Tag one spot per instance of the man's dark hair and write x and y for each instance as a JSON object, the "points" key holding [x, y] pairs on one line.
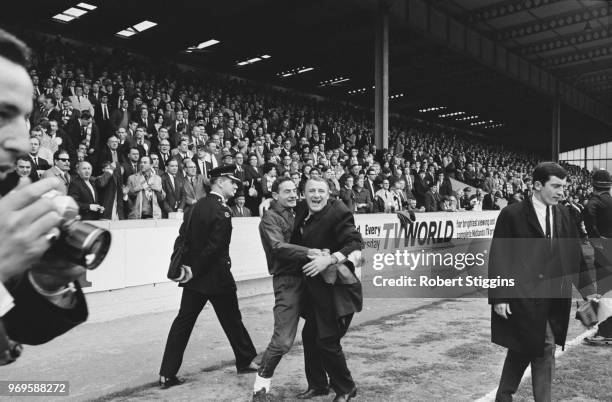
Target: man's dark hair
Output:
{"points": [[24, 159], [14, 49], [277, 183], [59, 152], [545, 170], [85, 115], [52, 99]]}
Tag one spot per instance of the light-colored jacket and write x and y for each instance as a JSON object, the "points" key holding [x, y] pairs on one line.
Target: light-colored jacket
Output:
{"points": [[137, 194]]}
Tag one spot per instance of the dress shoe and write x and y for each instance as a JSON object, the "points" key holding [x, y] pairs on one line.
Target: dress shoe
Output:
{"points": [[312, 392], [251, 368], [261, 396], [167, 382], [345, 397]]}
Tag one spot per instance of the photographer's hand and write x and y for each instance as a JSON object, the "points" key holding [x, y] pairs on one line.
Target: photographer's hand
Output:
{"points": [[27, 219]]}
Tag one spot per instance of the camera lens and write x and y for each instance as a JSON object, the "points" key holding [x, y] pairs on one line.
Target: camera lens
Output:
{"points": [[81, 243], [87, 244], [94, 254]]}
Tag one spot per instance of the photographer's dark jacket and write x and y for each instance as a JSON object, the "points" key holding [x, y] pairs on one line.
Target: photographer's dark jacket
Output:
{"points": [[209, 237], [35, 320], [543, 275]]}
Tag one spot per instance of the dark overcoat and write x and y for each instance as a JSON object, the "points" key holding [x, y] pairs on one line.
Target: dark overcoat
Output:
{"points": [[543, 277], [331, 228]]}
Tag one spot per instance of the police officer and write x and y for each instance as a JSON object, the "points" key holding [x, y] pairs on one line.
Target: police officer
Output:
{"points": [[598, 222], [208, 237]]}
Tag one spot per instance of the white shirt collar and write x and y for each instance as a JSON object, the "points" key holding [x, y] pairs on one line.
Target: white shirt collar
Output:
{"points": [[538, 205], [540, 210]]}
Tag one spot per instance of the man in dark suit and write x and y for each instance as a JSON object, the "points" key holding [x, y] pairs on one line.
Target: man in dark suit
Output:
{"points": [[102, 117], [130, 167], [121, 117], [39, 165], [208, 278], [50, 110], [112, 196], [85, 130], [203, 167], [146, 121], [432, 199], [536, 244], [164, 153], [119, 98], [323, 223], [85, 194], [239, 210], [109, 153], [372, 183], [172, 183]]}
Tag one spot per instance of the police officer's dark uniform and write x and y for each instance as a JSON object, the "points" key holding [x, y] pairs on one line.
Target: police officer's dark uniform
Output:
{"points": [[209, 236], [598, 223]]}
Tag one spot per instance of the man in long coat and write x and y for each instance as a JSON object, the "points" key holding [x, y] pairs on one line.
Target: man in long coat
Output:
{"points": [[535, 243]]}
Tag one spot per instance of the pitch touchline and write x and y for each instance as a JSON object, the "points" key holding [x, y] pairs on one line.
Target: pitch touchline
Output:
{"points": [[491, 395]]}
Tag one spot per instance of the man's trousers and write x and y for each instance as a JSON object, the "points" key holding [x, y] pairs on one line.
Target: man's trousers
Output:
{"points": [[542, 371], [324, 355], [228, 313], [288, 291]]}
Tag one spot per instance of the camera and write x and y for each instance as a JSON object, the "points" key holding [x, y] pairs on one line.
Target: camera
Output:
{"points": [[79, 242]]}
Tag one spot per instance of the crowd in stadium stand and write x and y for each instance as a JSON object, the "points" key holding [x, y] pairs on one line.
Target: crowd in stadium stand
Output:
{"points": [[134, 139]]}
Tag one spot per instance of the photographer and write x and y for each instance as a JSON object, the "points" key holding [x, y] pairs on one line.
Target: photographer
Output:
{"points": [[38, 300]]}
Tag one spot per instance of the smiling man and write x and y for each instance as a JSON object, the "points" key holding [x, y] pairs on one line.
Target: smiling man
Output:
{"points": [[282, 257], [326, 224], [536, 243]]}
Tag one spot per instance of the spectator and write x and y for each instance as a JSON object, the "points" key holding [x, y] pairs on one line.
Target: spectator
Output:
{"points": [[145, 192], [385, 199], [61, 168], [85, 194], [432, 199], [363, 200], [193, 186]]}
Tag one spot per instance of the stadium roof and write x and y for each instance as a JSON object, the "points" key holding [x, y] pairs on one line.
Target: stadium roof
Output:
{"points": [[498, 59]]}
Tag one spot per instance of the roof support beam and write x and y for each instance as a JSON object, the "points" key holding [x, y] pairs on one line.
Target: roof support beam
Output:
{"points": [[598, 10], [570, 40], [577, 56], [381, 77], [505, 8], [446, 30]]}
